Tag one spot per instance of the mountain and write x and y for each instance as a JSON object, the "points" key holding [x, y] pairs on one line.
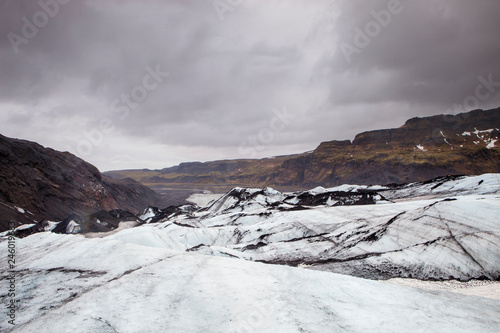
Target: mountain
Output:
{"points": [[38, 183], [421, 149], [214, 268]]}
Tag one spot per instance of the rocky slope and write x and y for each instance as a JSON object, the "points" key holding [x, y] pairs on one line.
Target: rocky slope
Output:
{"points": [[421, 149], [38, 183]]}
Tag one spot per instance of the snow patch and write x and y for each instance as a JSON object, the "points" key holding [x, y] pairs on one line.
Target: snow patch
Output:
{"points": [[444, 138], [51, 225], [317, 190], [148, 214], [73, 227], [330, 202]]}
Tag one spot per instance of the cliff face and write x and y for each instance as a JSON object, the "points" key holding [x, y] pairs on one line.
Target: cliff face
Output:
{"points": [[39, 183], [421, 149]]}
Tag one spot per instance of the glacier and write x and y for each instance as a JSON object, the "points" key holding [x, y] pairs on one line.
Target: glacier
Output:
{"points": [[259, 260]]}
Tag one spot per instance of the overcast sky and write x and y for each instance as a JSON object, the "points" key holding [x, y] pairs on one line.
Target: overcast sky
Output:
{"points": [[150, 84]]}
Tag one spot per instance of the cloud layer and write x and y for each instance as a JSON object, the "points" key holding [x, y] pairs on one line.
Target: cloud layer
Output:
{"points": [[245, 78]]}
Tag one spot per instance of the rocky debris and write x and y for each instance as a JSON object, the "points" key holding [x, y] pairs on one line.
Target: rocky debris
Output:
{"points": [[100, 222], [334, 198], [104, 220], [154, 214]]}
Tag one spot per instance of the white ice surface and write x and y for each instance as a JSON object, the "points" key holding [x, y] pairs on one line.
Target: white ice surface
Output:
{"points": [[71, 284]]}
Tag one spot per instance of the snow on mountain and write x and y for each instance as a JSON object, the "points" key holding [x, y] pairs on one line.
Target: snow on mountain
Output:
{"points": [[68, 283]]}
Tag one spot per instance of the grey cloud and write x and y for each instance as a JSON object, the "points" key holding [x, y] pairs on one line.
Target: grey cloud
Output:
{"points": [[433, 51], [226, 77]]}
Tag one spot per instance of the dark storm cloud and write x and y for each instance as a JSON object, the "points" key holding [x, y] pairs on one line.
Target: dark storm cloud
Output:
{"points": [[431, 52], [227, 78]]}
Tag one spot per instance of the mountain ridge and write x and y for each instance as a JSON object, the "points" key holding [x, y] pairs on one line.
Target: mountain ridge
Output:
{"points": [[423, 148]]}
